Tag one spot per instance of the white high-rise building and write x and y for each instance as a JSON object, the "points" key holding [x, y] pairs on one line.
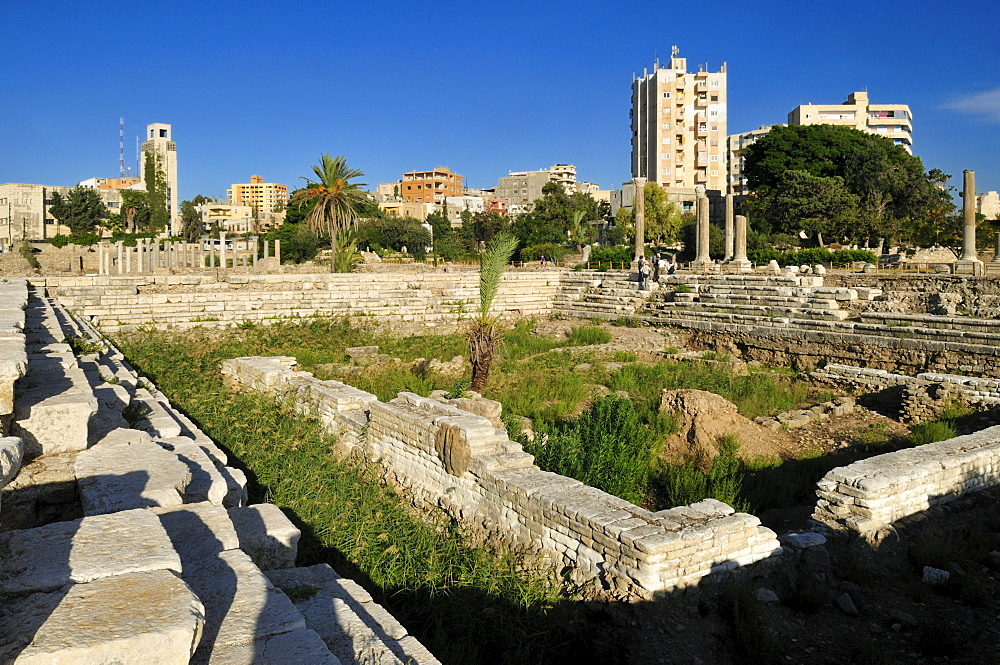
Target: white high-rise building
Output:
{"points": [[159, 140], [679, 126]]}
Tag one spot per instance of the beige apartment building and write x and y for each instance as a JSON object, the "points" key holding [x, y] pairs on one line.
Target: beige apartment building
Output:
{"points": [[893, 121], [736, 145], [988, 204], [522, 188], [24, 209], [230, 217], [159, 141], [679, 127], [430, 186], [268, 200]]}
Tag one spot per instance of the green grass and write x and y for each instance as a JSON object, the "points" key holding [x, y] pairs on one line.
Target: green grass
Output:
{"points": [[931, 432], [464, 603], [588, 335]]}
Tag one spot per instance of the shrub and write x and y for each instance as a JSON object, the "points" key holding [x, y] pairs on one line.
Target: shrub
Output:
{"points": [[607, 447], [683, 288], [931, 432], [812, 256], [688, 482], [588, 335], [28, 253], [551, 252]]}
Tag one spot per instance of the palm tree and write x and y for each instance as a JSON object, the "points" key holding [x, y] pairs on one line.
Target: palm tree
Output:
{"points": [[337, 199], [485, 336]]}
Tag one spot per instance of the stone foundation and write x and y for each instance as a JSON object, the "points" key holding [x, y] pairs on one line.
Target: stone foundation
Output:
{"points": [[460, 462]]}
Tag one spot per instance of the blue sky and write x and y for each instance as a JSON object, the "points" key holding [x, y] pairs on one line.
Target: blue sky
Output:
{"points": [[265, 88]]}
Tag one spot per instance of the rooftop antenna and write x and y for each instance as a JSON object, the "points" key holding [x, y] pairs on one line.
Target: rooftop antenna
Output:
{"points": [[121, 147], [137, 169]]}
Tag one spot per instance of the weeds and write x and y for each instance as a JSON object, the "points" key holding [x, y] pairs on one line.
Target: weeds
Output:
{"points": [[81, 346], [588, 336], [687, 482], [930, 432]]}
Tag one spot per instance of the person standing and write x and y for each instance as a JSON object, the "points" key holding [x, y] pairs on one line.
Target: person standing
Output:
{"points": [[643, 268], [541, 262]]}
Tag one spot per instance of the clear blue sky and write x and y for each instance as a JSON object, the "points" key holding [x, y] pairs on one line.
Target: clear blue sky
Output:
{"points": [[483, 88]]}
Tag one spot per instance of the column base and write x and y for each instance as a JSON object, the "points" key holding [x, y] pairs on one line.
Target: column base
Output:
{"points": [[973, 266], [701, 264], [741, 265]]}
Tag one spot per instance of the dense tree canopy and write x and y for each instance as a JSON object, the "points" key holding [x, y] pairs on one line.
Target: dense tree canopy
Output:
{"points": [[662, 221], [81, 209], [156, 191], [889, 186]]}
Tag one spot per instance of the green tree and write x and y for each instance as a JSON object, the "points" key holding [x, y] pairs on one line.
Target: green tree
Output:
{"points": [[662, 218], [335, 198], [81, 209], [136, 214], [817, 205], [486, 336], [191, 227], [395, 233], [156, 191], [890, 185]]}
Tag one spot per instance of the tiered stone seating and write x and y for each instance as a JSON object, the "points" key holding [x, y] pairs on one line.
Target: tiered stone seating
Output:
{"points": [[602, 295], [129, 541]]}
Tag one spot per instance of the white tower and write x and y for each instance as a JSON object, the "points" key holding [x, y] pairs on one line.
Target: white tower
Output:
{"points": [[158, 140]]}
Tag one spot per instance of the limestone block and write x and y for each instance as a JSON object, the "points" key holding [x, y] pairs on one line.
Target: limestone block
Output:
{"points": [[83, 550], [49, 480], [267, 535], [241, 604], [123, 436], [11, 453], [207, 483], [236, 485], [111, 478], [198, 530], [148, 618], [52, 423], [298, 647]]}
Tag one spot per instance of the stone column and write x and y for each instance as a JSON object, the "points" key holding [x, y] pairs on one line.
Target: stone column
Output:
{"points": [[128, 260], [121, 255], [156, 255], [277, 252], [639, 212], [969, 261], [996, 249], [199, 256], [211, 254], [253, 246], [730, 231], [223, 260], [265, 248], [100, 258], [740, 244], [702, 257]]}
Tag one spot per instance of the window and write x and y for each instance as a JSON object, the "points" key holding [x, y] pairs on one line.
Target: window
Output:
{"points": [[665, 155], [666, 171], [715, 173], [666, 141], [713, 142], [666, 95], [808, 115], [714, 83], [715, 98], [713, 158], [713, 112], [666, 125]]}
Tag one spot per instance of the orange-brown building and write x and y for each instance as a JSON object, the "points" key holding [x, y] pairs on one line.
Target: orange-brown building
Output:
{"points": [[430, 186]]}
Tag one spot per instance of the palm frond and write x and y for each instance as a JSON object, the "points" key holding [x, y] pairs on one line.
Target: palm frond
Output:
{"points": [[491, 265]]}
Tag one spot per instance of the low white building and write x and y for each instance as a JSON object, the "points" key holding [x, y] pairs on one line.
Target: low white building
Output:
{"points": [[458, 204]]}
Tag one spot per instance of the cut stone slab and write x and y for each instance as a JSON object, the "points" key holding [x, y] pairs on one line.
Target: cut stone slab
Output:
{"points": [[11, 453], [83, 550], [158, 421], [207, 484], [354, 627], [236, 482], [50, 423], [298, 647], [123, 436], [136, 619], [198, 530], [267, 535], [241, 604], [43, 489], [111, 478]]}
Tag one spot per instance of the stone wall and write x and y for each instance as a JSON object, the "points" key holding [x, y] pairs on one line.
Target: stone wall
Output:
{"points": [[460, 462], [436, 298], [870, 495], [124, 533], [923, 395], [928, 294]]}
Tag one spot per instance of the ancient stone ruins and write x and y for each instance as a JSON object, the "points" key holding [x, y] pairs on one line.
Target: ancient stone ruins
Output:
{"points": [[124, 531]]}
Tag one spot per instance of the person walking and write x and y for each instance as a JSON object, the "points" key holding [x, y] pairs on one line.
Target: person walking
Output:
{"points": [[643, 269], [541, 262]]}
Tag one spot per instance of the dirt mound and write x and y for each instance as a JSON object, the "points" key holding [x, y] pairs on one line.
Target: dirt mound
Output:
{"points": [[705, 416]]}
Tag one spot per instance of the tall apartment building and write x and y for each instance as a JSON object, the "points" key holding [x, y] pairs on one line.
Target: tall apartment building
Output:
{"points": [[264, 198], [736, 145], [988, 204], [522, 188], [893, 121], [24, 209], [679, 127], [430, 186], [159, 141]]}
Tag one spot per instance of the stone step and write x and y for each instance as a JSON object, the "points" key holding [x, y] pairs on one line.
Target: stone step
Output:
{"points": [[48, 557], [354, 627], [145, 618]]}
